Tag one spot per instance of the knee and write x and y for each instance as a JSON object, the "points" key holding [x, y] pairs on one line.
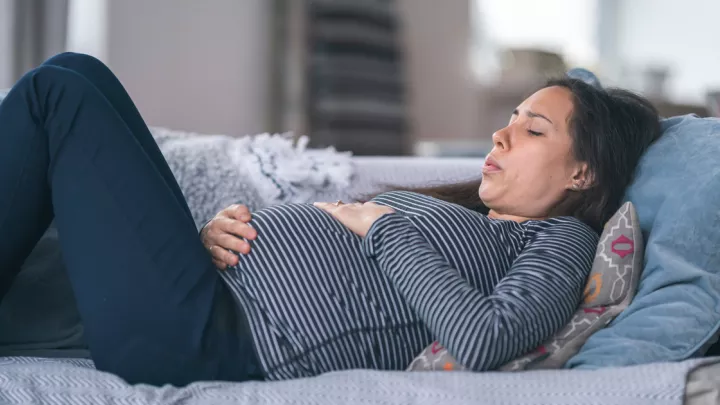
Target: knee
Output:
{"points": [[73, 60], [51, 74], [50, 83]]}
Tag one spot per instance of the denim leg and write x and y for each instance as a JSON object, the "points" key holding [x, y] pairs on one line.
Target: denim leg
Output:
{"points": [[146, 288], [110, 87]]}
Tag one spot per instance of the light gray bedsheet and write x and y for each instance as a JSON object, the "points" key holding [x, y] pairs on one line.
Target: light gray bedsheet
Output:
{"points": [[703, 385], [45, 381]]}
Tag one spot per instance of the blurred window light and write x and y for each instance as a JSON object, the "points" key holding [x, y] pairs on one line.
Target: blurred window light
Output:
{"points": [[681, 38], [87, 27], [6, 44], [567, 27]]}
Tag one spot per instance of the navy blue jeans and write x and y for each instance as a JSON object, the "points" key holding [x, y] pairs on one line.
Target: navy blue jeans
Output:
{"points": [[74, 148]]}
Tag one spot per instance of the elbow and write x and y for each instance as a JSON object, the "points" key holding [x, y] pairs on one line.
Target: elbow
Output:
{"points": [[496, 354], [496, 346], [499, 342]]}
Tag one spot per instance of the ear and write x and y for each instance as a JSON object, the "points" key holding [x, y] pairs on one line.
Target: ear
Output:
{"points": [[582, 178]]}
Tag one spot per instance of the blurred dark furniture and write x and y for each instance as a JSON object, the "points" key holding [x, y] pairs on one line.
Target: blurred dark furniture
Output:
{"points": [[340, 75]]}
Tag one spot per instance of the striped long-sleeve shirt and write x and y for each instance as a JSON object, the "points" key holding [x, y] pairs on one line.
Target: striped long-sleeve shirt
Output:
{"points": [[318, 298]]}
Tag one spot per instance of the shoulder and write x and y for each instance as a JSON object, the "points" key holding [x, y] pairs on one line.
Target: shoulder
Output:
{"points": [[563, 233], [559, 226], [560, 246]]}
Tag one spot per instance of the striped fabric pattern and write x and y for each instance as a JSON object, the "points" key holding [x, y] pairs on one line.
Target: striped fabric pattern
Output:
{"points": [[319, 298]]}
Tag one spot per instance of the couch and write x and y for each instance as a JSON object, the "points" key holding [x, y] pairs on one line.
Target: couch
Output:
{"points": [[671, 373], [40, 380]]}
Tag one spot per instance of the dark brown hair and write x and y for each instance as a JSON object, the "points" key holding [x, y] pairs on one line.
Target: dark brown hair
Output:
{"points": [[611, 129]]}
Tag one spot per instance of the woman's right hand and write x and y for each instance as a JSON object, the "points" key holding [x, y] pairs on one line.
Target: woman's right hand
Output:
{"points": [[225, 232]]}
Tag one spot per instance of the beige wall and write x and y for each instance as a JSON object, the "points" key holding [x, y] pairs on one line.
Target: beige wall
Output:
{"points": [[192, 65], [7, 76], [443, 95], [204, 66]]}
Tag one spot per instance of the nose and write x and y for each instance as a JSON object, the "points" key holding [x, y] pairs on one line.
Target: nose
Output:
{"points": [[501, 139]]}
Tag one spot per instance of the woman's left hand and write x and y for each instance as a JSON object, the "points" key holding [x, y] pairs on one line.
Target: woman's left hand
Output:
{"points": [[357, 217]]}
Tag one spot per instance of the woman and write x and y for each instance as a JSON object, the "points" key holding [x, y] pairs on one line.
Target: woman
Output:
{"points": [[325, 287]]}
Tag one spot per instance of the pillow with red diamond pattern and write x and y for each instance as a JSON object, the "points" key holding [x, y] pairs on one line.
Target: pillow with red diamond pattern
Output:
{"points": [[609, 290]]}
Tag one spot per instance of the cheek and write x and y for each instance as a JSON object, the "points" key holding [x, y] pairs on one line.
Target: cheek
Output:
{"points": [[536, 178], [544, 166]]}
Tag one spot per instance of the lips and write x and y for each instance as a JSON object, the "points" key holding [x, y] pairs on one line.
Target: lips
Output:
{"points": [[491, 165]]}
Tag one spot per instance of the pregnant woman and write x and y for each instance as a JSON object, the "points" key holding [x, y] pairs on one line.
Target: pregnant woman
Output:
{"points": [[489, 269]]}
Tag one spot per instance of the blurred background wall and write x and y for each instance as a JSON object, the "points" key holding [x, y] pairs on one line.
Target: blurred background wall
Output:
{"points": [[373, 76], [192, 65]]}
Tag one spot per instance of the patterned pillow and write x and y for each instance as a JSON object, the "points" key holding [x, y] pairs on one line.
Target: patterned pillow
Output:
{"points": [[610, 288]]}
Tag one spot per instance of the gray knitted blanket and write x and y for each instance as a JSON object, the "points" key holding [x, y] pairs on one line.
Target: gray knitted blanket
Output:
{"points": [[215, 171]]}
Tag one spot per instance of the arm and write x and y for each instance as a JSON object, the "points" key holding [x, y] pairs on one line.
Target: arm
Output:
{"points": [[534, 300]]}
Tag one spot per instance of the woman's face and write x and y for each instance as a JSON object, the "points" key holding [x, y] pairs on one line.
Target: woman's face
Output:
{"points": [[531, 167]]}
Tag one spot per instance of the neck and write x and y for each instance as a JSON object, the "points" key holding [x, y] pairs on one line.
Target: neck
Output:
{"points": [[508, 217]]}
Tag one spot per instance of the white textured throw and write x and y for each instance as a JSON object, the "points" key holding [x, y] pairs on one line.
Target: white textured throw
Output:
{"points": [[215, 171]]}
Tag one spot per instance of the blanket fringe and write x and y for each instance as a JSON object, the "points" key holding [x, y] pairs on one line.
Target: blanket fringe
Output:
{"points": [[281, 167]]}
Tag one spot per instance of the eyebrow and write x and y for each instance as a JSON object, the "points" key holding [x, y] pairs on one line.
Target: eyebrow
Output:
{"points": [[534, 115]]}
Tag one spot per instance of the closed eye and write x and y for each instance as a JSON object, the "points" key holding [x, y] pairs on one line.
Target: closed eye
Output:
{"points": [[534, 133]]}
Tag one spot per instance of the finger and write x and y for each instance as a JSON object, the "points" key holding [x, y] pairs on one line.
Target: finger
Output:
{"points": [[235, 227], [219, 240], [221, 255], [232, 242], [241, 213], [230, 208], [204, 234], [327, 207], [348, 207], [226, 212], [242, 230], [220, 264], [342, 213], [223, 224], [322, 205], [231, 259], [236, 211]]}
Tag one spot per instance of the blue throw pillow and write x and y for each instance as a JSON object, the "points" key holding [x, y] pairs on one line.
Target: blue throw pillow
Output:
{"points": [[676, 312]]}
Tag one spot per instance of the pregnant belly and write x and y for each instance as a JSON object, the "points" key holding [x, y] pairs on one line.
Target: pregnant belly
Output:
{"points": [[306, 273], [312, 295]]}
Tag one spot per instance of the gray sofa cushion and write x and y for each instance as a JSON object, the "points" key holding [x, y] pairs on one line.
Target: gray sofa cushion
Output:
{"points": [[38, 316]]}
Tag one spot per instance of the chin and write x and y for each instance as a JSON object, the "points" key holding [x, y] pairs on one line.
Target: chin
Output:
{"points": [[485, 193]]}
